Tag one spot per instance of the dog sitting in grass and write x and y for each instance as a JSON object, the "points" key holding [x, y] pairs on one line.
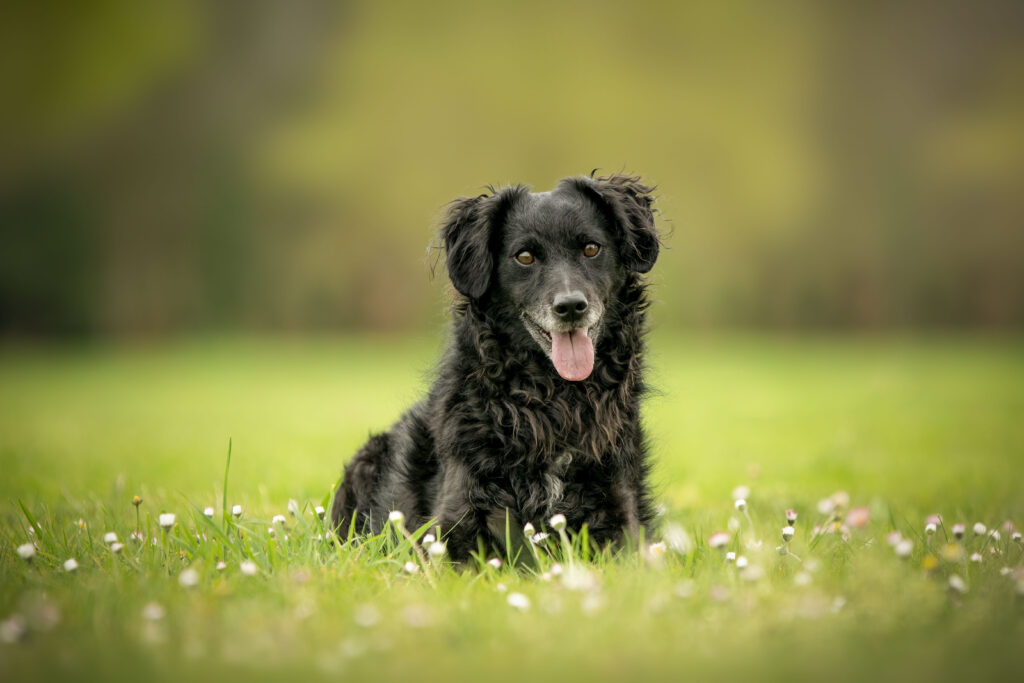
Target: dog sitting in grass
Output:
{"points": [[535, 409]]}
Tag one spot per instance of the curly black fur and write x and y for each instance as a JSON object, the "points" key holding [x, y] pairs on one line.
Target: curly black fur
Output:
{"points": [[500, 432]]}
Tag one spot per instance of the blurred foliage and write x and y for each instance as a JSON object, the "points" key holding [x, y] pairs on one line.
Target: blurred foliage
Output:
{"points": [[170, 166]]}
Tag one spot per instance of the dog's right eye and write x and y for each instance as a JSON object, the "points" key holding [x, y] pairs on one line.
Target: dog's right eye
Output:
{"points": [[524, 257]]}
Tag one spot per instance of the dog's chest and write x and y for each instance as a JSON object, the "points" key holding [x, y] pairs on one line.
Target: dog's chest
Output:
{"points": [[542, 490], [554, 479]]}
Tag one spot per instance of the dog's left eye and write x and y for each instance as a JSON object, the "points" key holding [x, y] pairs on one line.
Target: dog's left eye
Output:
{"points": [[591, 250], [524, 257]]}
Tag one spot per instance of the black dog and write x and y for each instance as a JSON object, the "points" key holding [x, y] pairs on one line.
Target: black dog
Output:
{"points": [[536, 406]]}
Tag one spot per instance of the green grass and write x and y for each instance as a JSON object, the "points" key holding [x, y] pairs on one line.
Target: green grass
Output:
{"points": [[908, 427]]}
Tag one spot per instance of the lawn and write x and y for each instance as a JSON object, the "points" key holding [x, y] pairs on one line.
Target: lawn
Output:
{"points": [[891, 429]]}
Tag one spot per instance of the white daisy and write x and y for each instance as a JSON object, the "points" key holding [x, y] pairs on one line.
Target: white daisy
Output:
{"points": [[518, 601], [188, 578]]}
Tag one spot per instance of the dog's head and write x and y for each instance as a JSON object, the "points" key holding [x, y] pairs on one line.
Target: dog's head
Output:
{"points": [[545, 265]]}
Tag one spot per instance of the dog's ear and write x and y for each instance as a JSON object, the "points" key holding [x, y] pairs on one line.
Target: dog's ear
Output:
{"points": [[471, 234], [627, 203]]}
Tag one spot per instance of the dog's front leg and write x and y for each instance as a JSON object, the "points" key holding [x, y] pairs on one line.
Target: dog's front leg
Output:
{"points": [[455, 514]]}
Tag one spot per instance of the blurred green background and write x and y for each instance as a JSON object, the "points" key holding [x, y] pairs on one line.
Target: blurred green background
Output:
{"points": [[174, 167], [231, 204]]}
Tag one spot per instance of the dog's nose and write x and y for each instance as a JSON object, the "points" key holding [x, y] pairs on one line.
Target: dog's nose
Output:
{"points": [[570, 307]]}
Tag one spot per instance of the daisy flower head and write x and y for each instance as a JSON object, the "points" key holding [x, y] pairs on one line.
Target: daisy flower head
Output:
{"points": [[248, 568], [166, 520], [718, 539], [26, 551], [208, 512], [979, 529], [787, 533], [188, 578], [677, 539], [791, 516], [518, 601], [110, 537], [396, 517], [320, 512], [236, 511], [741, 492], [366, 615], [557, 522], [13, 628], [858, 517], [70, 565], [958, 531], [153, 611]]}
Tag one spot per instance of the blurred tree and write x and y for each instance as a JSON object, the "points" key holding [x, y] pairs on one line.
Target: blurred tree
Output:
{"points": [[282, 165]]}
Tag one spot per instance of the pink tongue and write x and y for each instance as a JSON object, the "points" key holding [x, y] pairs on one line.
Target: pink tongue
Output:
{"points": [[573, 354]]}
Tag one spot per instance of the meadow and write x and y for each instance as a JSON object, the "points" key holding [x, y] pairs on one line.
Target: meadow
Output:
{"points": [[863, 438]]}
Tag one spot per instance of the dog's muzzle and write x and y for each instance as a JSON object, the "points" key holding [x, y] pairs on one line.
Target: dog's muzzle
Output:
{"points": [[566, 333]]}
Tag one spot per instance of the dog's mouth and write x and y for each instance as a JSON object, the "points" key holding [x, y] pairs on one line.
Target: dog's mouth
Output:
{"points": [[571, 351]]}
